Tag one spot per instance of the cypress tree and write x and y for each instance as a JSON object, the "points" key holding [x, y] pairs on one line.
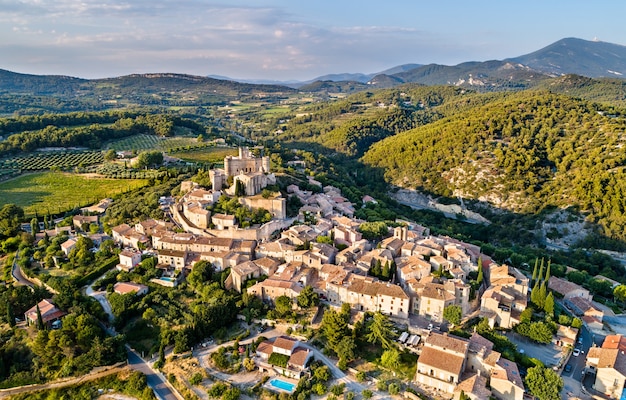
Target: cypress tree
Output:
{"points": [[540, 277], [534, 278], [10, 316], [541, 297], [480, 277], [547, 278], [534, 294], [549, 306], [40, 324]]}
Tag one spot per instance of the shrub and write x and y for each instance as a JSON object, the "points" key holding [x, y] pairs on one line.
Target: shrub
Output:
{"points": [[367, 394], [196, 378]]}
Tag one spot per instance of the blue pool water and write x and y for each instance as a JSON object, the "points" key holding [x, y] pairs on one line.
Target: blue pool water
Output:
{"points": [[168, 279], [277, 383]]}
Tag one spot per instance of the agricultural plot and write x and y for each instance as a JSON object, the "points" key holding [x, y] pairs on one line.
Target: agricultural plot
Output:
{"points": [[213, 155], [151, 142], [117, 170], [57, 160], [54, 192]]}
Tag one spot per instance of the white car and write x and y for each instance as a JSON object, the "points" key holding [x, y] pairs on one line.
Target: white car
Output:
{"points": [[576, 352], [430, 327]]}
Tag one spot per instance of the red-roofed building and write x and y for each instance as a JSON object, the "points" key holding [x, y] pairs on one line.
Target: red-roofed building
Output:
{"points": [[49, 313]]}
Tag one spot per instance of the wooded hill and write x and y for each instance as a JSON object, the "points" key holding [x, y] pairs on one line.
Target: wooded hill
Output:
{"points": [[520, 151]]}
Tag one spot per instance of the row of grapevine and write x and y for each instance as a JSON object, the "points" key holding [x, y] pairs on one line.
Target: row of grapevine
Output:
{"points": [[151, 142], [44, 161]]}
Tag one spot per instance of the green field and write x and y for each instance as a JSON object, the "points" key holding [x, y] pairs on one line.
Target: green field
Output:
{"points": [[208, 155], [55, 192]]}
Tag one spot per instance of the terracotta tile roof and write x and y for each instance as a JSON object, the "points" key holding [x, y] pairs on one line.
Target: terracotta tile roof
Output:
{"points": [[265, 347], [286, 343], [436, 291], [47, 309], [376, 288], [128, 287], [562, 286], [474, 384], [613, 358], [299, 357], [614, 342], [442, 360], [508, 371], [478, 342], [447, 342]]}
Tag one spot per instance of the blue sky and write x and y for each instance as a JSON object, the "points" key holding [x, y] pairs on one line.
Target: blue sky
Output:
{"points": [[285, 39]]}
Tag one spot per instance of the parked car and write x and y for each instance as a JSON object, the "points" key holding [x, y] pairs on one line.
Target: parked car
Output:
{"points": [[430, 327], [568, 368], [580, 340], [576, 352]]}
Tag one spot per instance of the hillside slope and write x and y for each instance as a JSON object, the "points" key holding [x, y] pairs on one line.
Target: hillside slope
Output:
{"points": [[522, 152]]}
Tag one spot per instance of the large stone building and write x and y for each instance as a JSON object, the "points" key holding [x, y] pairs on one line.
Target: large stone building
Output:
{"points": [[245, 163]]}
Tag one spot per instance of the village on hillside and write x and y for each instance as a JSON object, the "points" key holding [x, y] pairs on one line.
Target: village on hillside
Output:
{"points": [[425, 284]]}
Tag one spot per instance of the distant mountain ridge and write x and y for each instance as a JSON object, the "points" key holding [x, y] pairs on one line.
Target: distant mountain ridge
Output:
{"points": [[567, 56]]}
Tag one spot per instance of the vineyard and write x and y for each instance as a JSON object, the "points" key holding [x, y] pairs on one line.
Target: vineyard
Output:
{"points": [[119, 171], [46, 161], [54, 192], [152, 142]]}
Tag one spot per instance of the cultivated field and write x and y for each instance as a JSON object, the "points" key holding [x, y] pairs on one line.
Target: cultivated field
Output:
{"points": [[209, 155], [55, 192]]}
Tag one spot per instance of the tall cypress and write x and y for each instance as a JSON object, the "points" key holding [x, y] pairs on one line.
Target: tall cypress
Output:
{"points": [[10, 316], [547, 278], [540, 277], [534, 278], [40, 324]]}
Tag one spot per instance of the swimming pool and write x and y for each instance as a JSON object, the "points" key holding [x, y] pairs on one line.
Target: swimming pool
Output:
{"points": [[282, 385]]}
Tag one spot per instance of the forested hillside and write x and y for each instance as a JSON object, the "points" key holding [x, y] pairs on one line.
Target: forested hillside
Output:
{"points": [[523, 152]]}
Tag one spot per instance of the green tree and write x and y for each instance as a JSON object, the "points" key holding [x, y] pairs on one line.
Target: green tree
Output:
{"points": [[534, 276], [149, 159], [110, 155], [549, 304], [541, 296], [544, 383], [202, 272], [480, 277], [283, 305], [540, 277], [10, 218], [380, 330], [620, 293], [547, 278], [308, 297], [335, 328], [463, 396], [34, 226], [390, 359], [10, 316], [345, 349], [453, 314], [526, 315], [40, 325]]}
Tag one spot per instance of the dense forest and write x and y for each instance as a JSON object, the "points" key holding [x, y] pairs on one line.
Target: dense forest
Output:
{"points": [[524, 152]]}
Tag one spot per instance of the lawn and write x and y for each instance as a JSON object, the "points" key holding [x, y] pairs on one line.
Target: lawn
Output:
{"points": [[55, 192]]}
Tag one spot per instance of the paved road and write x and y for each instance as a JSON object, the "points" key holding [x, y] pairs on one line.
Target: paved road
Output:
{"points": [[102, 299], [17, 274], [571, 380], [155, 380]]}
